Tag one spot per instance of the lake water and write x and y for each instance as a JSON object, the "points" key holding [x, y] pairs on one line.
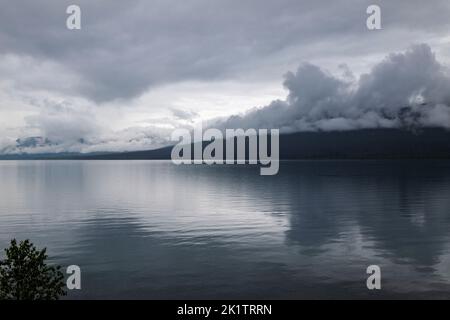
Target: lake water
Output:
{"points": [[150, 229]]}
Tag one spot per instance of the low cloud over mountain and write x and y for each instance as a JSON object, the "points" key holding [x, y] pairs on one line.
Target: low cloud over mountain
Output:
{"points": [[405, 90]]}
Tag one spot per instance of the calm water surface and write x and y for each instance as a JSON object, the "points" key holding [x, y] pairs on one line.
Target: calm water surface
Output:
{"points": [[150, 229]]}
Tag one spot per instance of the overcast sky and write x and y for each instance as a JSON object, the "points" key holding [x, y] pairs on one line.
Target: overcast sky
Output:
{"points": [[138, 69]]}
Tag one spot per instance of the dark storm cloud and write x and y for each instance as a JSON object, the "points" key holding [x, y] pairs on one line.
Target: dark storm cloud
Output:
{"points": [[410, 89], [126, 47]]}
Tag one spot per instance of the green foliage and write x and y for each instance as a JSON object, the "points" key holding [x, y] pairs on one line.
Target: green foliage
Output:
{"points": [[24, 274]]}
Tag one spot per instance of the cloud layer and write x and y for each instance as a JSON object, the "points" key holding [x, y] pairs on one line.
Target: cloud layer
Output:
{"points": [[409, 90], [127, 47]]}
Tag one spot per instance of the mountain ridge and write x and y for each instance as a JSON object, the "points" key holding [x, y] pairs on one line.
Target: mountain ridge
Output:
{"points": [[352, 144]]}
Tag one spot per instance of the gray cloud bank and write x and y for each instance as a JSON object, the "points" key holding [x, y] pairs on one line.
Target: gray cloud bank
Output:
{"points": [[408, 90], [126, 47]]}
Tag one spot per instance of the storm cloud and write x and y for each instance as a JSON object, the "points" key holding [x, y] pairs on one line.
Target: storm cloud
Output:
{"points": [[126, 47], [408, 90]]}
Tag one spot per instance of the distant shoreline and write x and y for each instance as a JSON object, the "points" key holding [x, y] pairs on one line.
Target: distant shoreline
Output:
{"points": [[365, 144]]}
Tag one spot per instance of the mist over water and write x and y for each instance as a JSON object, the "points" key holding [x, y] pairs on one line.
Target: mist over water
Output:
{"points": [[150, 229]]}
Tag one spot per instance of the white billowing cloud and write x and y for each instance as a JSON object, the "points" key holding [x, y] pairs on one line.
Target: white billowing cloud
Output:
{"points": [[63, 123], [410, 89], [72, 125], [67, 127], [131, 139]]}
